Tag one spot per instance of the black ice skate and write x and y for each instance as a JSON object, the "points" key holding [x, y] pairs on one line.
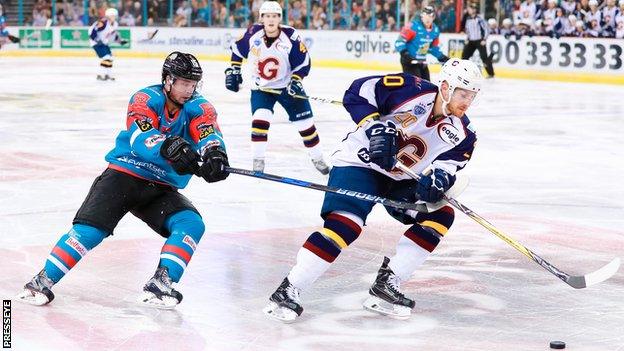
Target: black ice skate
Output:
{"points": [[385, 295], [284, 304], [37, 291], [159, 293]]}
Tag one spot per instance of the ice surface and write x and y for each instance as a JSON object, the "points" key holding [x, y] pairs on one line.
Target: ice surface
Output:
{"points": [[547, 171]]}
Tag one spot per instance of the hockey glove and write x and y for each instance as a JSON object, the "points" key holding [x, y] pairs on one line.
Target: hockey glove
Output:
{"points": [[443, 59], [213, 169], [431, 188], [383, 144], [295, 87], [233, 78], [180, 155], [14, 39]]}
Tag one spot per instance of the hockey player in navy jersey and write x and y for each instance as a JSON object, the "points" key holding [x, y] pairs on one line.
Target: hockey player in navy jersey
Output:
{"points": [[101, 34], [400, 118], [279, 61], [171, 134], [418, 39]]}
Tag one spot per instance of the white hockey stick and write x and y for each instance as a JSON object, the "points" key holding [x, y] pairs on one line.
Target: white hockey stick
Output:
{"points": [[312, 98], [577, 282]]}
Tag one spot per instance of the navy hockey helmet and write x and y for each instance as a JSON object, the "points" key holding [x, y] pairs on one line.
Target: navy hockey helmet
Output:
{"points": [[182, 65]]}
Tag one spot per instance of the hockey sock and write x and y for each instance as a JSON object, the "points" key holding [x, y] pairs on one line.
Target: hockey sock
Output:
{"points": [[70, 248], [310, 137], [186, 228], [106, 66], [420, 240], [260, 131], [322, 248]]}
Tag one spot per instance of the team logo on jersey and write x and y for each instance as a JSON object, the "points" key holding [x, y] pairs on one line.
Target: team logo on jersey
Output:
{"points": [[143, 124], [419, 109], [140, 98], [363, 155], [268, 68], [205, 130], [256, 42], [154, 140], [448, 133]]}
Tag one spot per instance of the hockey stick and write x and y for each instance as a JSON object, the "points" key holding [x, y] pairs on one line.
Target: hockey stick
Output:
{"points": [[306, 97], [327, 189], [577, 282]]}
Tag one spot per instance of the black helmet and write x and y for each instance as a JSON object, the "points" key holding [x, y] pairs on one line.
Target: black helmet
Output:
{"points": [[182, 65]]}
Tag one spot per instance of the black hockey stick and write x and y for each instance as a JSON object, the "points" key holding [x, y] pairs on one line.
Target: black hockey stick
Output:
{"points": [[577, 282], [328, 189]]}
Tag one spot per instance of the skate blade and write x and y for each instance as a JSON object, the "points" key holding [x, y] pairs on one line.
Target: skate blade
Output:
{"points": [[377, 305], [33, 298], [148, 299], [282, 314]]}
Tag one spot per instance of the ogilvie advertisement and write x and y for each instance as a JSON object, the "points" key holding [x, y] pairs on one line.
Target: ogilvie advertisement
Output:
{"points": [[344, 47]]}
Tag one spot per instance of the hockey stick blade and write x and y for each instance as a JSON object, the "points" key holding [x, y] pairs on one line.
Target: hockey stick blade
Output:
{"points": [[577, 282], [593, 278], [328, 189]]}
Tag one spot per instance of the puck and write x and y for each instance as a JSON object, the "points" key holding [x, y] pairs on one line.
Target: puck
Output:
{"points": [[557, 345]]}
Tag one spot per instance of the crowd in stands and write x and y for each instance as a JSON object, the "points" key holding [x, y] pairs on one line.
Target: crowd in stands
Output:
{"points": [[555, 18], [563, 18]]}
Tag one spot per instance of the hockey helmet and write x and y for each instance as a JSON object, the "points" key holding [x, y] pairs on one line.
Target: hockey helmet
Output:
{"points": [[462, 74], [428, 10], [270, 7], [111, 12], [182, 65]]}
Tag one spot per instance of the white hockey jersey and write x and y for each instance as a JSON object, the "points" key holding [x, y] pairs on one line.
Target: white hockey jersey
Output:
{"points": [[407, 101], [103, 31], [274, 64]]}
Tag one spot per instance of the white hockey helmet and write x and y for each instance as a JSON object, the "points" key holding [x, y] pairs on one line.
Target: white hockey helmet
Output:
{"points": [[593, 3], [457, 73], [270, 7], [111, 12], [464, 74], [492, 22], [507, 22]]}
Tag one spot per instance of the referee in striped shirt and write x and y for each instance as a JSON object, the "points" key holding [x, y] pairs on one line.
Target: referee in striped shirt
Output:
{"points": [[477, 31]]}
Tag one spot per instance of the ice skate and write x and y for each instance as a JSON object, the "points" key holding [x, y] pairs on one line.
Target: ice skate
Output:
{"points": [[258, 165], [37, 292], [101, 77], [321, 166], [109, 77], [386, 297], [284, 304], [159, 293]]}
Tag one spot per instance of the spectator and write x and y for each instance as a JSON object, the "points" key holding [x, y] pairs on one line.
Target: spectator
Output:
{"points": [[594, 30], [183, 15], [569, 6], [611, 11], [127, 19], [507, 28], [619, 31], [493, 26], [579, 30]]}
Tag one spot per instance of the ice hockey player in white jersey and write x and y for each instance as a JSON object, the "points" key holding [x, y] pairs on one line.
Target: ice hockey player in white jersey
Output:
{"points": [[279, 61], [101, 34], [400, 118]]}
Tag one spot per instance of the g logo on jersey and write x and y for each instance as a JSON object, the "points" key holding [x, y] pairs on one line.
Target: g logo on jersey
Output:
{"points": [[267, 68], [448, 133]]}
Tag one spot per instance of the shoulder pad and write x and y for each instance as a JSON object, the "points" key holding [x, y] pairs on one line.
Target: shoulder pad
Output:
{"points": [[254, 28], [290, 32], [467, 125]]}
